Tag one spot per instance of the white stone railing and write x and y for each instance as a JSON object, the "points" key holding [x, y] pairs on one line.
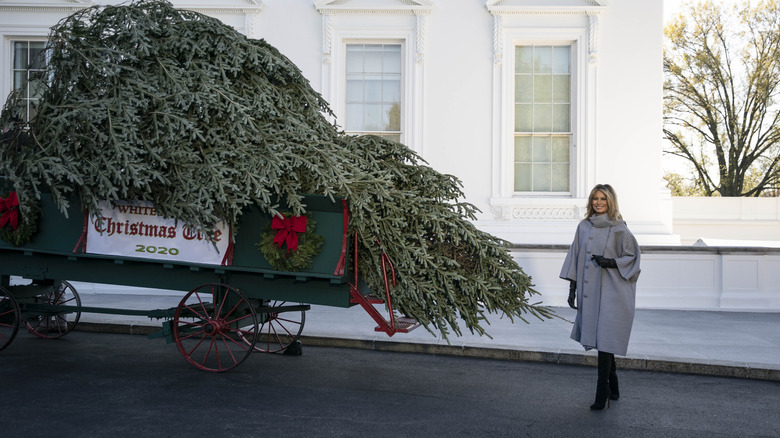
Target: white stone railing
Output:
{"points": [[719, 219], [684, 277]]}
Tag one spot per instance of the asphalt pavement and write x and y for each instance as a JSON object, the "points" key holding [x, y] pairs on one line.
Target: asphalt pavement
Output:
{"points": [[716, 343], [95, 385]]}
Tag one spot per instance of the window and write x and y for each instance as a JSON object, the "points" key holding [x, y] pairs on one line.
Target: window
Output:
{"points": [[28, 67], [545, 118], [542, 122], [373, 90], [373, 65]]}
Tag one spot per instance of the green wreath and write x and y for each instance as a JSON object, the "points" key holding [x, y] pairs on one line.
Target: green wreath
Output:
{"points": [[26, 227], [283, 258]]}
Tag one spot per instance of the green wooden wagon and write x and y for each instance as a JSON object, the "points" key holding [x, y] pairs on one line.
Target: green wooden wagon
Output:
{"points": [[226, 311]]}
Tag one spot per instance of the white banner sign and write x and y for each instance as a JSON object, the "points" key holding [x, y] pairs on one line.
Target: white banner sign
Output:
{"points": [[135, 230]]}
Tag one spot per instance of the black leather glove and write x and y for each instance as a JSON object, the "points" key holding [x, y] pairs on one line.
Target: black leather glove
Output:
{"points": [[605, 262], [572, 294]]}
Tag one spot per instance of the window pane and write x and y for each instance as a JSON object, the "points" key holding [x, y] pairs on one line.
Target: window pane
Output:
{"points": [[523, 148], [524, 60], [373, 58], [561, 87], [524, 91], [523, 117], [560, 148], [32, 109], [394, 117], [522, 177], [37, 58], [392, 61], [391, 91], [542, 88], [354, 61], [20, 56], [560, 60], [542, 149], [354, 117], [373, 118], [560, 118], [542, 59], [560, 177], [20, 78], [354, 91], [373, 88], [36, 84], [542, 118], [541, 177]]}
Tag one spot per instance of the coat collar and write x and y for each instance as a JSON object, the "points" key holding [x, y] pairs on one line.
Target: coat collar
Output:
{"points": [[602, 221]]}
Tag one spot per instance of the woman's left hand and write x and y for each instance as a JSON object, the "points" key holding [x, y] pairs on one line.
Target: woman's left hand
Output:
{"points": [[604, 262]]}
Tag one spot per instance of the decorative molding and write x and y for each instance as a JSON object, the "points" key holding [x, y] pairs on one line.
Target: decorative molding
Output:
{"points": [[250, 23], [327, 38], [517, 213], [498, 39], [593, 22], [499, 10], [420, 31]]}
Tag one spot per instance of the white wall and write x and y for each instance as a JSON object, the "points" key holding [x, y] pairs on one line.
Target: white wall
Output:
{"points": [[454, 104]]}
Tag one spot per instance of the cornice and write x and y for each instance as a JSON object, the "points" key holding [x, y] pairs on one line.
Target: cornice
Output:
{"points": [[498, 7], [420, 7], [250, 7], [547, 10], [45, 6]]}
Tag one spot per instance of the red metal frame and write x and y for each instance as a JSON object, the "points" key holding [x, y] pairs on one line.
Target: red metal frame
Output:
{"points": [[395, 325]]}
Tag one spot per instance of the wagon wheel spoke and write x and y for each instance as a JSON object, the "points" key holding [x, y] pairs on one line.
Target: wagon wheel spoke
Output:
{"points": [[58, 324], [279, 330], [214, 327], [9, 317]]}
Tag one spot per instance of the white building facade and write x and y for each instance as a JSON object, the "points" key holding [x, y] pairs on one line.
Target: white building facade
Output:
{"points": [[530, 103]]}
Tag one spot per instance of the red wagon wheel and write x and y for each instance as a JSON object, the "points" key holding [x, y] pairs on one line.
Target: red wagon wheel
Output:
{"points": [[279, 330], [9, 317], [59, 325], [215, 327]]}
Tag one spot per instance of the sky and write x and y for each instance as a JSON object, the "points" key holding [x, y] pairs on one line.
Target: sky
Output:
{"points": [[671, 7]]}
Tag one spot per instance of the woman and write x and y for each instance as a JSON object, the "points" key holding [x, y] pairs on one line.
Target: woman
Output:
{"points": [[603, 264]]}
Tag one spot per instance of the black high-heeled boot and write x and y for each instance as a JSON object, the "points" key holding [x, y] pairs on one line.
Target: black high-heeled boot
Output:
{"points": [[602, 385], [614, 389]]}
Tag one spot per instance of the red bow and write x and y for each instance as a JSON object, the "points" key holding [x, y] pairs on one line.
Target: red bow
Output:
{"points": [[9, 211], [288, 230]]}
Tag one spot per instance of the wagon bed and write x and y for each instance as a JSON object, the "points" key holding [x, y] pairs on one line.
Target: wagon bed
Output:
{"points": [[227, 310]]}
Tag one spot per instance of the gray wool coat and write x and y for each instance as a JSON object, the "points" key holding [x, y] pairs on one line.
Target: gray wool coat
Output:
{"points": [[605, 296]]}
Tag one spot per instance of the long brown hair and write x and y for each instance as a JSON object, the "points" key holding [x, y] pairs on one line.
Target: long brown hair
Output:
{"points": [[612, 204]]}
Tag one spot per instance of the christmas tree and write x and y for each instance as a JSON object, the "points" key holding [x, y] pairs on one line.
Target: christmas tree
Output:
{"points": [[147, 102]]}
